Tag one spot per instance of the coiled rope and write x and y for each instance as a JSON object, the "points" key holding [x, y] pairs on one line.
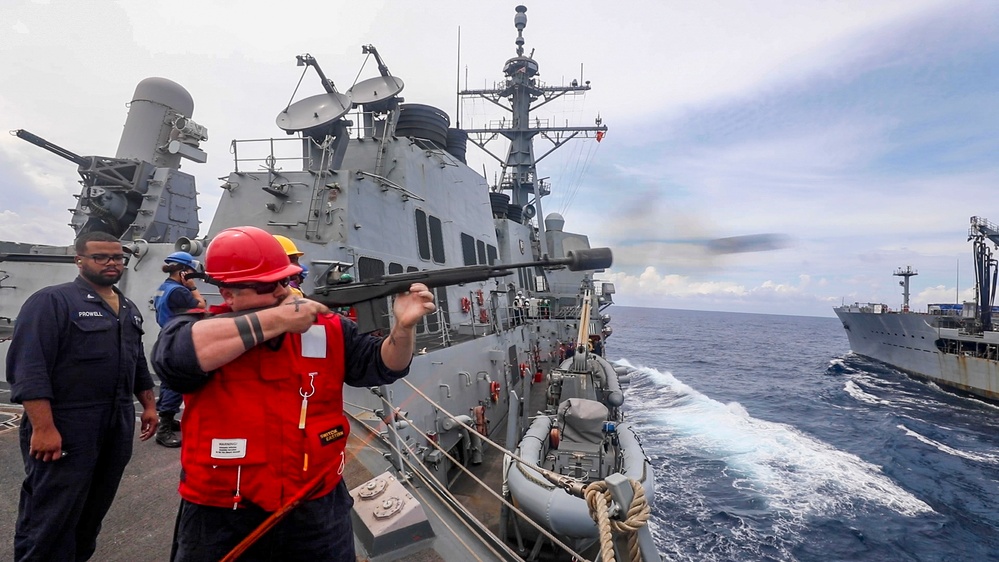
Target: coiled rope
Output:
{"points": [[598, 498]]}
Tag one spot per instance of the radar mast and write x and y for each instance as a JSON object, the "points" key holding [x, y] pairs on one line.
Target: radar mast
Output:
{"points": [[520, 94], [905, 274]]}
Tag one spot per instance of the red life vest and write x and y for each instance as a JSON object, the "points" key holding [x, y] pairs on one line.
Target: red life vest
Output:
{"points": [[242, 440]]}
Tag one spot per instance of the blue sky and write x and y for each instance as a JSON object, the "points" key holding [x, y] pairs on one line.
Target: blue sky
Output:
{"points": [[865, 132]]}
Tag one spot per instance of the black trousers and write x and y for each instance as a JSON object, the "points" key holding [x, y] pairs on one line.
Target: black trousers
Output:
{"points": [[63, 502], [317, 530]]}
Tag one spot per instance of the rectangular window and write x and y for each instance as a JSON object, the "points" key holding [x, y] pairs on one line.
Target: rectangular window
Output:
{"points": [[422, 236], [369, 268], [437, 239], [492, 254], [467, 249], [540, 281], [480, 246]]}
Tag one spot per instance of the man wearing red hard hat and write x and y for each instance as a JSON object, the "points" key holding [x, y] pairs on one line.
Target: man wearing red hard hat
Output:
{"points": [[262, 380]]}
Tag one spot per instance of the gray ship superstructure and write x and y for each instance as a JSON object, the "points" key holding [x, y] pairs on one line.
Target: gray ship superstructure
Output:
{"points": [[953, 345], [368, 187]]}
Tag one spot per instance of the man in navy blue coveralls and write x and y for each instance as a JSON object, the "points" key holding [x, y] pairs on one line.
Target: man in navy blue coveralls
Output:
{"points": [[75, 362]]}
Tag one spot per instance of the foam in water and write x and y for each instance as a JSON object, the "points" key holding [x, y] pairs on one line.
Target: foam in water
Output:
{"points": [[992, 459], [794, 472], [854, 390]]}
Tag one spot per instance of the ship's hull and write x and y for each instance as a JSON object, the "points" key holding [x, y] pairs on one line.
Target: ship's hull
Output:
{"points": [[909, 343]]}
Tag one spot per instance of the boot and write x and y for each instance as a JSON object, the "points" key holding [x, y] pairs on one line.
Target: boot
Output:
{"points": [[165, 433]]}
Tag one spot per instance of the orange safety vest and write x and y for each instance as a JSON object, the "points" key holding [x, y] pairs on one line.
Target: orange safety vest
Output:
{"points": [[242, 438]]}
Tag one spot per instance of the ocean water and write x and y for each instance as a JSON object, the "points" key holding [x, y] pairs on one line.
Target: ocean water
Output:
{"points": [[772, 442]]}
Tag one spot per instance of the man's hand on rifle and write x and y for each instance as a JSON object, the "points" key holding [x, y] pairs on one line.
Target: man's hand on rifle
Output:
{"points": [[414, 304]]}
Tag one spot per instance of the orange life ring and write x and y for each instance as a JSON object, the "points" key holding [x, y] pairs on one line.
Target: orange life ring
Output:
{"points": [[479, 297], [483, 316], [466, 305], [494, 389]]}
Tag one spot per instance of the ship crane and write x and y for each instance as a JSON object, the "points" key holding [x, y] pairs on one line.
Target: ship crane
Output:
{"points": [[985, 267]]}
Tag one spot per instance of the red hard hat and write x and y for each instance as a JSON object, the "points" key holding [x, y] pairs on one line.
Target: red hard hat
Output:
{"points": [[246, 254]]}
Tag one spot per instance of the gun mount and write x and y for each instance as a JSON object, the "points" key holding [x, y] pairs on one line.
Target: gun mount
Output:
{"points": [[346, 294], [141, 193]]}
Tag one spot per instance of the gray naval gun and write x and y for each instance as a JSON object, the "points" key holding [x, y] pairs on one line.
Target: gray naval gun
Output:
{"points": [[139, 195], [377, 194]]}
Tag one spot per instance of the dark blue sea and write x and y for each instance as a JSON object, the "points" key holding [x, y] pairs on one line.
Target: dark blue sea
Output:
{"points": [[772, 442]]}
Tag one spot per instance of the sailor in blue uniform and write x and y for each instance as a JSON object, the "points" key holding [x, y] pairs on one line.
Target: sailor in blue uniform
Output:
{"points": [[75, 362], [177, 294]]}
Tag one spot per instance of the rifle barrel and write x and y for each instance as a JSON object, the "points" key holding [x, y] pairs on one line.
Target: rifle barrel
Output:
{"points": [[387, 285]]}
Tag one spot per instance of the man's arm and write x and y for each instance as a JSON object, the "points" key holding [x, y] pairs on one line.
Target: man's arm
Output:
{"points": [[30, 360], [173, 357], [46, 441], [397, 348], [217, 341], [149, 417], [33, 350], [181, 301], [194, 292], [409, 308]]}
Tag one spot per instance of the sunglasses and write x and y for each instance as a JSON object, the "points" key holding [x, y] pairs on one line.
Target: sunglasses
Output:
{"points": [[260, 288], [104, 259]]}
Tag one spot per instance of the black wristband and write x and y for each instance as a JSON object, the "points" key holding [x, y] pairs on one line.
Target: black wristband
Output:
{"points": [[258, 331], [245, 332]]}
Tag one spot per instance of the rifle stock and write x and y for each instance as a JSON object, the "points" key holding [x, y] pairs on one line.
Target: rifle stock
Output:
{"points": [[387, 285]]}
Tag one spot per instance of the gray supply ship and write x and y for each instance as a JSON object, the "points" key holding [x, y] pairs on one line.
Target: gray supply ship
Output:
{"points": [[377, 192], [953, 345]]}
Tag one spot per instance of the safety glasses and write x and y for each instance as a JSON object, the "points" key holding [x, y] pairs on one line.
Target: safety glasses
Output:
{"points": [[104, 259], [260, 288]]}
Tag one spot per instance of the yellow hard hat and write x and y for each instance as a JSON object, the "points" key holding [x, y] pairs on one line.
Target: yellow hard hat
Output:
{"points": [[288, 245]]}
